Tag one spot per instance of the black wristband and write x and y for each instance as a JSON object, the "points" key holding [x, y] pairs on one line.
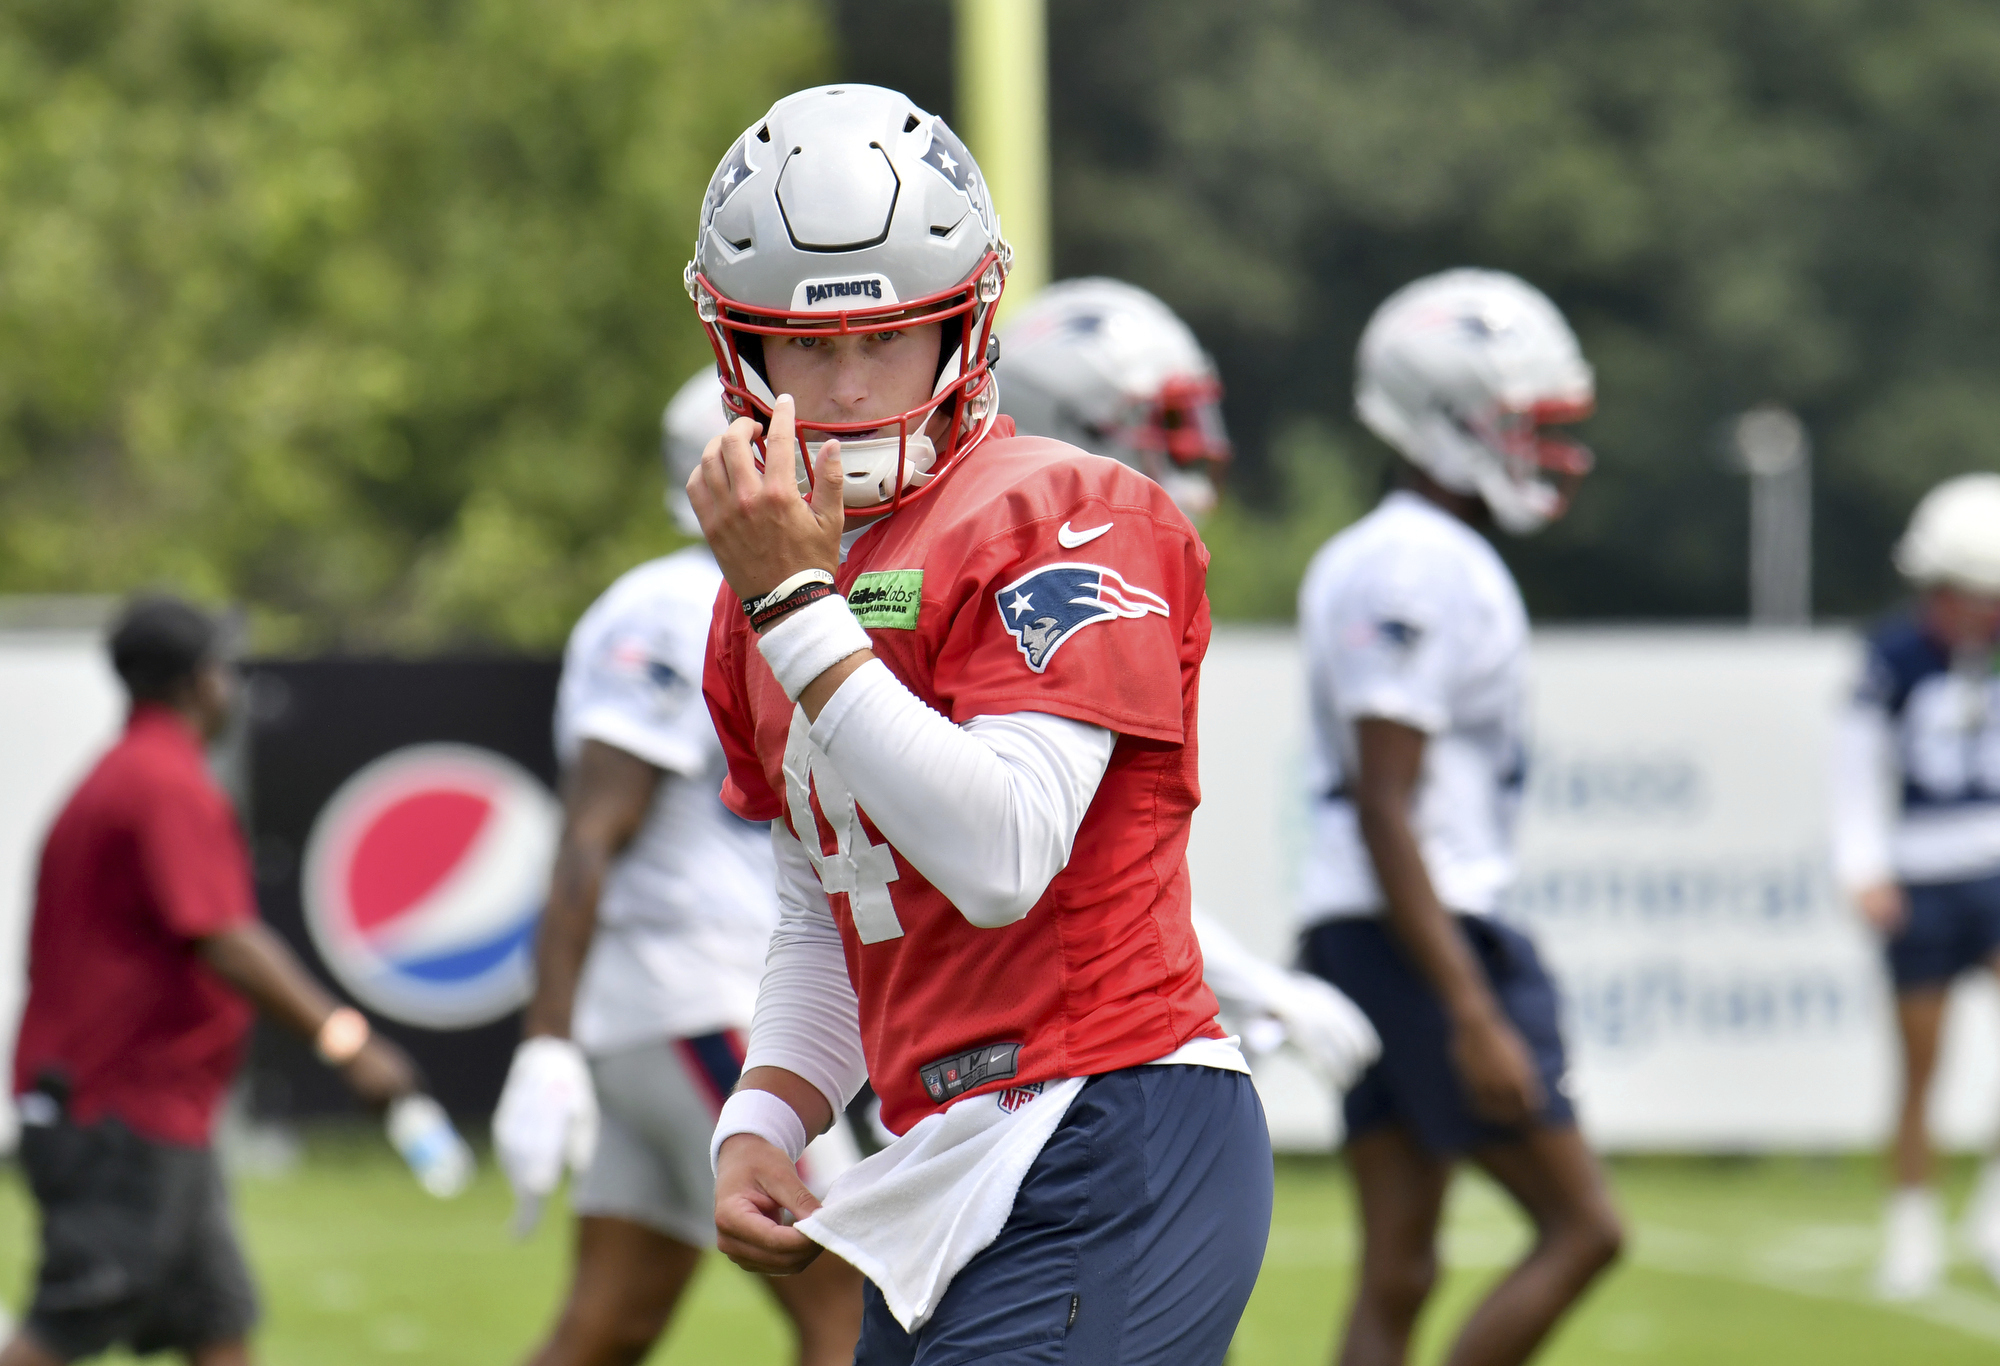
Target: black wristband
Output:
{"points": [[792, 602]]}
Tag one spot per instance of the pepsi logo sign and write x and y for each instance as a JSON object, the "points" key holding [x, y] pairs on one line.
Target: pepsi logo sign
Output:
{"points": [[425, 875]]}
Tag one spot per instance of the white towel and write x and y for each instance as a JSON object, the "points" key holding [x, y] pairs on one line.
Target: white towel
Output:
{"points": [[910, 1217]]}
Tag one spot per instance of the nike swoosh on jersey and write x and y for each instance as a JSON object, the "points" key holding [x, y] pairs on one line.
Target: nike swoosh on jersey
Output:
{"points": [[1070, 540]]}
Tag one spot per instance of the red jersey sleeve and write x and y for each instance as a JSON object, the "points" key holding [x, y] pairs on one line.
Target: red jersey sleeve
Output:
{"points": [[1096, 611], [724, 685], [192, 855]]}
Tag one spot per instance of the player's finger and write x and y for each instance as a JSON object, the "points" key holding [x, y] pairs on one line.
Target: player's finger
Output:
{"points": [[766, 1261], [781, 446], [712, 473], [698, 482], [735, 469], [828, 502], [752, 1239], [790, 1192]]}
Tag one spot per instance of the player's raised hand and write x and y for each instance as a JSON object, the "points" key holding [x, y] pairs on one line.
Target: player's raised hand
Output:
{"points": [[761, 531], [755, 1186]]}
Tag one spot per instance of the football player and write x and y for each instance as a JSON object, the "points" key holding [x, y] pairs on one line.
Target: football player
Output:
{"points": [[1416, 645], [660, 909], [959, 678], [1916, 788], [1112, 370]]}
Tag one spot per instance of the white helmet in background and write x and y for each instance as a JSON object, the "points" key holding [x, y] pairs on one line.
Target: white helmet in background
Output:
{"points": [[1460, 372], [694, 417], [1106, 366], [848, 209], [1954, 536]]}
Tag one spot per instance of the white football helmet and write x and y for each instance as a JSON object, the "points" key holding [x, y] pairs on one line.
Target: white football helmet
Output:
{"points": [[694, 417], [1460, 372], [1106, 366], [1954, 536], [848, 209]]}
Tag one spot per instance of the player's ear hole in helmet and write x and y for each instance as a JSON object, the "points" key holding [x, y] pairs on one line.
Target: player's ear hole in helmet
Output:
{"points": [[848, 210]]}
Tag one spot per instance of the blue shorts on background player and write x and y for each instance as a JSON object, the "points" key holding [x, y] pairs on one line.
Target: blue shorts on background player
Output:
{"points": [[1414, 1083], [1948, 930]]}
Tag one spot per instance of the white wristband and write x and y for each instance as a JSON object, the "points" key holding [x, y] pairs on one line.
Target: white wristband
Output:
{"points": [[808, 642], [764, 1114]]}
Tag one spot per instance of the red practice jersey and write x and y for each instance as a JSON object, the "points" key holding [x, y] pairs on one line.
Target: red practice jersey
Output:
{"points": [[145, 860], [1033, 577]]}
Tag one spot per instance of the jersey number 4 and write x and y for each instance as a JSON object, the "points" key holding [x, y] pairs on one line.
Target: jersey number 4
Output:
{"points": [[858, 866]]}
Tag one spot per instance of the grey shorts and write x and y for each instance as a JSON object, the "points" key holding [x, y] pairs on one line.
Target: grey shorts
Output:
{"points": [[137, 1244], [657, 1104]]}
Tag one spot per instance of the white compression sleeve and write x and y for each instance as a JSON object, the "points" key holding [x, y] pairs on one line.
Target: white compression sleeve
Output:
{"points": [[986, 811], [1862, 784], [808, 1020]]}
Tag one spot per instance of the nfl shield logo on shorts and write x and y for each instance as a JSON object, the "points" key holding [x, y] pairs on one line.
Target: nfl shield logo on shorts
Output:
{"points": [[1043, 609], [424, 879]]}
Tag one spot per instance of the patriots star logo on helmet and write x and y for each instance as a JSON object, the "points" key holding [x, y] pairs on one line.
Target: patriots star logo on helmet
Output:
{"points": [[424, 878], [948, 157], [1043, 609], [729, 177]]}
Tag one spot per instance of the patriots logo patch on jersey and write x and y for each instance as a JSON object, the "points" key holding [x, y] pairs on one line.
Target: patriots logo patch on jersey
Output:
{"points": [[1043, 609]]}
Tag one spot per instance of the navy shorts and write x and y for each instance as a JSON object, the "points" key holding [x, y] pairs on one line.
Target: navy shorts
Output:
{"points": [[1414, 1082], [1953, 928], [1135, 1238]]}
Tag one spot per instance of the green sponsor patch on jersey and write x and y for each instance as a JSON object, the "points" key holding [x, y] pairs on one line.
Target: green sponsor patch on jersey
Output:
{"points": [[887, 599]]}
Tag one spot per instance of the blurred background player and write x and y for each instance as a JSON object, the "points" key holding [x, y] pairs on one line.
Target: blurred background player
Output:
{"points": [[1416, 645], [145, 960], [1108, 368], [1916, 833], [660, 909]]}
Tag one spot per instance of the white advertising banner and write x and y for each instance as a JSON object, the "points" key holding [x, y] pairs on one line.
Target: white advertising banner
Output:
{"points": [[1719, 994], [60, 705]]}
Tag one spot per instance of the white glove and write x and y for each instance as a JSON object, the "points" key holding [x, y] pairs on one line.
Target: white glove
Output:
{"points": [[1324, 1024], [546, 1119]]}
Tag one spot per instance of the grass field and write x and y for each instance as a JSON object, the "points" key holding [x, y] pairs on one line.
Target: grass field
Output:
{"points": [[1730, 1262]]}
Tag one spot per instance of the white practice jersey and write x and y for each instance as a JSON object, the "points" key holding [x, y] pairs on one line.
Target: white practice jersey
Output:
{"points": [[1916, 772], [1410, 616], [687, 910]]}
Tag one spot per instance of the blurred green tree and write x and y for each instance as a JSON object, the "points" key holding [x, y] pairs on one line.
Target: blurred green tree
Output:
{"points": [[1797, 200], [1794, 200], [360, 312]]}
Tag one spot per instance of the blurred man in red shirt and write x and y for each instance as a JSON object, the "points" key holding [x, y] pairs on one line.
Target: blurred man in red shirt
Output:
{"points": [[145, 959]]}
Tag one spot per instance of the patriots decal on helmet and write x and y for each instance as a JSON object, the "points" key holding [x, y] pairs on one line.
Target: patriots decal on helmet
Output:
{"points": [[948, 157], [729, 176], [1043, 609]]}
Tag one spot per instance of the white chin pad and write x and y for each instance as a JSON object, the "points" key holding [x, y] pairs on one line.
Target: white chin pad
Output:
{"points": [[1192, 491], [868, 467], [1520, 507]]}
